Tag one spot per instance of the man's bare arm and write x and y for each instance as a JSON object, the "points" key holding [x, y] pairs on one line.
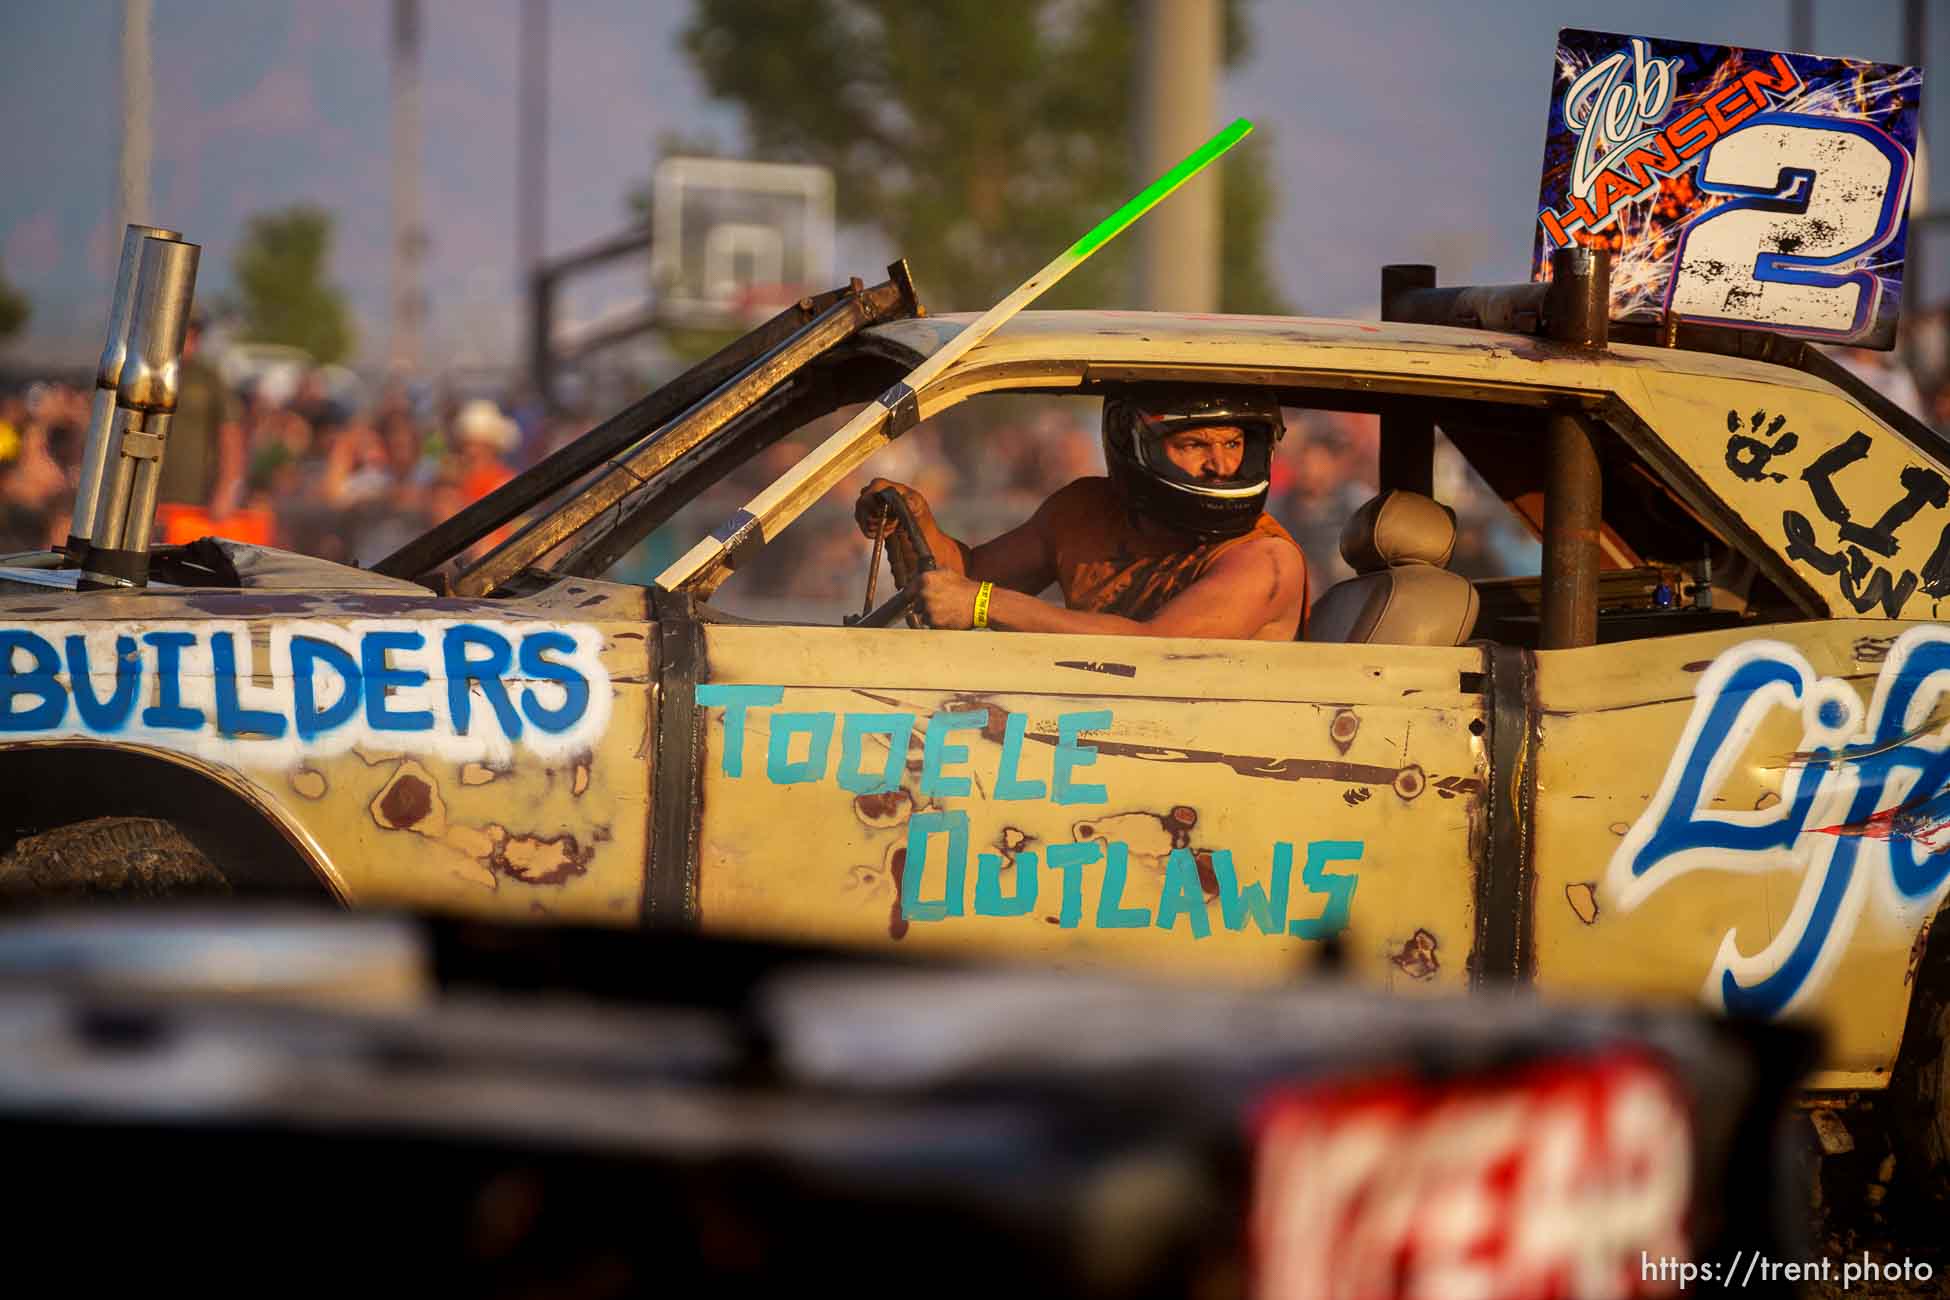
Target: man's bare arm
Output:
{"points": [[1245, 590], [1021, 559]]}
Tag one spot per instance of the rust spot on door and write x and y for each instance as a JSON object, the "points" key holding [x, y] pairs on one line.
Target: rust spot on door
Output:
{"points": [[1343, 729], [1583, 898], [897, 920], [407, 803], [1417, 958], [541, 860], [883, 811], [309, 783]]}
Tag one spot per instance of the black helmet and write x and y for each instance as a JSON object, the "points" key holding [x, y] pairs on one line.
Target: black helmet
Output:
{"points": [[1135, 428]]}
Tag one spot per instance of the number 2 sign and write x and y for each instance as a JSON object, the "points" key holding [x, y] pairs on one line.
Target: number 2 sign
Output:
{"points": [[1734, 186]]}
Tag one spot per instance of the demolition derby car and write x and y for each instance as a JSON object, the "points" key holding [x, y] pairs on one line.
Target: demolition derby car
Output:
{"points": [[1701, 751]]}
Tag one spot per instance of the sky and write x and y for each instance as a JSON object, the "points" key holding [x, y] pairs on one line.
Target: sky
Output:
{"points": [[1403, 131]]}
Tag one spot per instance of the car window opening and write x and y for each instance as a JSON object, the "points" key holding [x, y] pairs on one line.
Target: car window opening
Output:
{"points": [[1664, 569]]}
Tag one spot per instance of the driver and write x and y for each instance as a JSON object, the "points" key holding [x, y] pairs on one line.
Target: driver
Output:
{"points": [[1175, 542]]}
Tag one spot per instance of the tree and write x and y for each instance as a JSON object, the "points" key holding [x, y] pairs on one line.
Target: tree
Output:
{"points": [[981, 138], [281, 288], [14, 310]]}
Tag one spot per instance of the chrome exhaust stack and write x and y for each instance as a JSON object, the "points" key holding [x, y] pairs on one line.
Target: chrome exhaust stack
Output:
{"points": [[108, 377], [117, 553]]}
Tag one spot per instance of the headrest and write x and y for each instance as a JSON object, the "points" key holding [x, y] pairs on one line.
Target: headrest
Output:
{"points": [[1399, 528]]}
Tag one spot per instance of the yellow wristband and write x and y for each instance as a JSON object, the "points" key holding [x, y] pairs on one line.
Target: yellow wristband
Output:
{"points": [[982, 595]]}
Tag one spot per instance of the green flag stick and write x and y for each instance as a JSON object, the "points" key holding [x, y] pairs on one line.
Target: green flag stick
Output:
{"points": [[891, 414]]}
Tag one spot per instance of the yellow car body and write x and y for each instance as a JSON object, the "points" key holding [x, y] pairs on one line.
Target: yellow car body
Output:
{"points": [[1729, 798]]}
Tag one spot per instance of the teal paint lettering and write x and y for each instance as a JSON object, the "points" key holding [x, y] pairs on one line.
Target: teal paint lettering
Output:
{"points": [[96, 715], [490, 671], [1069, 754], [989, 898], [1183, 895], [38, 681], [378, 677], [1007, 784], [1071, 859], [307, 653], [897, 727], [734, 700], [232, 718], [169, 713], [1110, 914], [575, 687], [921, 828], [1338, 886], [1264, 904], [779, 767], [937, 753]]}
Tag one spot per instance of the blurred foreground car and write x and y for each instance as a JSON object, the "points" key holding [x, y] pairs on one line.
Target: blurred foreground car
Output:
{"points": [[285, 1100]]}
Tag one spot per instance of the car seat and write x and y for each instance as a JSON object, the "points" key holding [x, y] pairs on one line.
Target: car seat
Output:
{"points": [[1401, 594]]}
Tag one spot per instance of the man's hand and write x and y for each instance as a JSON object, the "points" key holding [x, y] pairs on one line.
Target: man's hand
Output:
{"points": [[868, 513], [947, 598]]}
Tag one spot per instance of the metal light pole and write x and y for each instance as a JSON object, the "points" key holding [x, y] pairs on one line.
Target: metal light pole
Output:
{"points": [[137, 99], [409, 234], [1181, 45], [531, 145]]}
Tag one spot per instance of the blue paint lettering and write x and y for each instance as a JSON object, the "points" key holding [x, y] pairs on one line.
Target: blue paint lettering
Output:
{"points": [[1183, 895], [780, 768], [921, 830], [308, 654], [575, 687], [1070, 754], [38, 681], [1338, 886], [378, 678], [1111, 914], [1007, 784], [937, 753], [169, 713], [1264, 904], [113, 714], [735, 700], [989, 898], [1071, 859], [1889, 772], [232, 718], [897, 727], [489, 671]]}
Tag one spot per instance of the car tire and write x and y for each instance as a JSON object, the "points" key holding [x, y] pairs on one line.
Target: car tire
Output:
{"points": [[124, 857]]}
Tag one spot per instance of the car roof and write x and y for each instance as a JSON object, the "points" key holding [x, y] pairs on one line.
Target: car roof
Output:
{"points": [[1144, 339]]}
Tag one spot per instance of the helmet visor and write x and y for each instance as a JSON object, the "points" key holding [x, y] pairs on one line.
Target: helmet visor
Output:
{"points": [[1229, 455]]}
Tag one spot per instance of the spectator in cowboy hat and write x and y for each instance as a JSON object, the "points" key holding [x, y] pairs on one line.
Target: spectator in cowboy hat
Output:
{"points": [[483, 438]]}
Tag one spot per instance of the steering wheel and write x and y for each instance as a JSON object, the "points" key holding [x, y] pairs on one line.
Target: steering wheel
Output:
{"points": [[901, 602]]}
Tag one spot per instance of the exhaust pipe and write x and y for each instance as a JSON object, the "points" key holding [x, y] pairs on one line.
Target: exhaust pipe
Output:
{"points": [[118, 553], [108, 377]]}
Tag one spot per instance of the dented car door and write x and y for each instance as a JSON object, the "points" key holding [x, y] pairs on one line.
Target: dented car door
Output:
{"points": [[1218, 806]]}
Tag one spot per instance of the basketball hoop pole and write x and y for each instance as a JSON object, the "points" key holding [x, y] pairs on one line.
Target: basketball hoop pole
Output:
{"points": [[544, 280]]}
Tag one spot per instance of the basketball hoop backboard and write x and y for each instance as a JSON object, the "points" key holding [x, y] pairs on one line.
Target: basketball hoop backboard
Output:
{"points": [[733, 242]]}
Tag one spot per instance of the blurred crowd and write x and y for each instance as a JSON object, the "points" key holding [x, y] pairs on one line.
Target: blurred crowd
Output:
{"points": [[292, 466], [307, 467]]}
